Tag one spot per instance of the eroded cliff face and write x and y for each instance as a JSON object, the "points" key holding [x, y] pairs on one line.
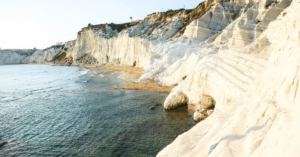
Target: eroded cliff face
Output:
{"points": [[105, 45], [255, 87], [11, 58], [49, 55], [52, 54], [224, 63], [235, 63], [263, 121]]}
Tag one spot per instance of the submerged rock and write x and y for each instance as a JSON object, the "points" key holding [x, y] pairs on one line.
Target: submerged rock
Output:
{"points": [[157, 104], [3, 143]]}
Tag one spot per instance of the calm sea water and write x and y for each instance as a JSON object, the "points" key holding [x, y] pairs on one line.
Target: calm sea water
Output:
{"points": [[70, 111]]}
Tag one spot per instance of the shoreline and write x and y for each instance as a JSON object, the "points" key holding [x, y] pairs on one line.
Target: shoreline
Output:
{"points": [[98, 108], [138, 72], [135, 71], [148, 86], [31, 64], [91, 66]]}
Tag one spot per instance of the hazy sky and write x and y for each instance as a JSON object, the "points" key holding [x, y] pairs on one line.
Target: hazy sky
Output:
{"points": [[42, 23]]}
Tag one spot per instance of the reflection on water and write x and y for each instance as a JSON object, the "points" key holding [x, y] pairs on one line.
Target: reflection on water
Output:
{"points": [[69, 111]]}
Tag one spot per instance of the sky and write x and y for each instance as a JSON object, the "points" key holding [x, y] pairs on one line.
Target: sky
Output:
{"points": [[25, 24]]}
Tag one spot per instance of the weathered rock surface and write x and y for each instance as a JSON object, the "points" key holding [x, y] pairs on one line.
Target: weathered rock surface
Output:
{"points": [[178, 100], [243, 54], [204, 108], [14, 56], [255, 88], [207, 102]]}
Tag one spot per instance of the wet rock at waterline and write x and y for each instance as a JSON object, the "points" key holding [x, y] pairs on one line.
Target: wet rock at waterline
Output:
{"points": [[153, 107], [177, 101]]}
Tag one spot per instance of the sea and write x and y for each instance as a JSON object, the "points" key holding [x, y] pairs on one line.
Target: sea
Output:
{"points": [[74, 111]]}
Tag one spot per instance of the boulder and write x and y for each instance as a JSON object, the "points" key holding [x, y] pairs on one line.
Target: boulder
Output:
{"points": [[199, 116], [151, 108], [209, 112], [177, 101], [207, 102]]}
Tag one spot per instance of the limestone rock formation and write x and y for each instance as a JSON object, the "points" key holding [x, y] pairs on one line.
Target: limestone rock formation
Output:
{"points": [[207, 102], [259, 117], [242, 54], [178, 100], [14, 56], [204, 108]]}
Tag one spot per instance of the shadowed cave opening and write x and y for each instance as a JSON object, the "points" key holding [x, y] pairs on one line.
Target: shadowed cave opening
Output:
{"points": [[204, 108]]}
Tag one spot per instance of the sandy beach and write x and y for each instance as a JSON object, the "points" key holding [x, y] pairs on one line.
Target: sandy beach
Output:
{"points": [[90, 66], [138, 72]]}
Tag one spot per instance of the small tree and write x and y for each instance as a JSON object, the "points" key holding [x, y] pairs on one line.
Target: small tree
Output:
{"points": [[89, 25], [131, 19]]}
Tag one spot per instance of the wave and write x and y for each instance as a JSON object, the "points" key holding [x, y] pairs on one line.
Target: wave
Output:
{"points": [[101, 75], [83, 71]]}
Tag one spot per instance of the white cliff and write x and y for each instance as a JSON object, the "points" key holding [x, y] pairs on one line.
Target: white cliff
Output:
{"points": [[257, 109], [49, 55], [235, 63], [133, 44], [14, 56]]}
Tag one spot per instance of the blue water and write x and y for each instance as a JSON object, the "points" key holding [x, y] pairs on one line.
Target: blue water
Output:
{"points": [[69, 111]]}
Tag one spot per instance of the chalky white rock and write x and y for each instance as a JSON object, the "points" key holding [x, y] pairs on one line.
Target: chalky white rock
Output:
{"points": [[243, 54]]}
